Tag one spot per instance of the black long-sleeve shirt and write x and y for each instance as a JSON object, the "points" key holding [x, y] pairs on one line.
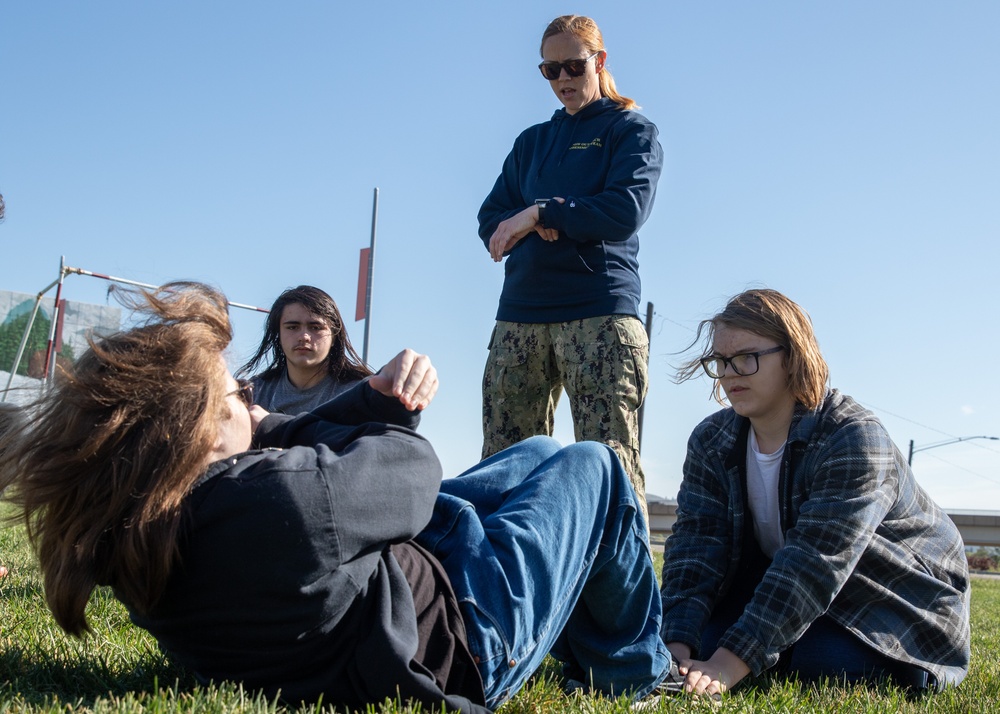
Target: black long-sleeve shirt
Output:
{"points": [[296, 559]]}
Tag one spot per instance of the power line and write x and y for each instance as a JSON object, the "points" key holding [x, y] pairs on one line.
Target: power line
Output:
{"points": [[943, 433], [924, 426], [900, 416], [962, 468], [664, 318]]}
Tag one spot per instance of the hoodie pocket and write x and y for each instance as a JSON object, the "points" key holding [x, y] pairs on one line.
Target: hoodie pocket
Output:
{"points": [[593, 257]]}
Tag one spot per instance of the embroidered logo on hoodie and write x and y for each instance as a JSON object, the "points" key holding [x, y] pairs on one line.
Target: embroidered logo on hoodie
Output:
{"points": [[596, 142]]}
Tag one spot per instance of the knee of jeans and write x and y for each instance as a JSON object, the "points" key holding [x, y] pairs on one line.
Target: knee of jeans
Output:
{"points": [[600, 458], [543, 445]]}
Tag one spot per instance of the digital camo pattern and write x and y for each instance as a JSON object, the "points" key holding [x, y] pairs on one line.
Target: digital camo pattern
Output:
{"points": [[601, 362]]}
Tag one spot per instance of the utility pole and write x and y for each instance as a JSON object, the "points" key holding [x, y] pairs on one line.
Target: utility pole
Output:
{"points": [[649, 339]]}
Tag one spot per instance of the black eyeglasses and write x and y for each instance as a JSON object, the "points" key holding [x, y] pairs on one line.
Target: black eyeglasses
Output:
{"points": [[743, 364], [573, 67], [244, 392]]}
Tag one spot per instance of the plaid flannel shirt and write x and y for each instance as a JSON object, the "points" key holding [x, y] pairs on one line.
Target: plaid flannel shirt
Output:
{"points": [[864, 544]]}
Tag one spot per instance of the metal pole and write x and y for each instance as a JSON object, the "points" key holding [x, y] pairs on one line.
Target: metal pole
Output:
{"points": [[909, 459], [649, 339], [24, 341], [124, 281], [63, 272], [946, 442], [50, 350], [371, 274]]}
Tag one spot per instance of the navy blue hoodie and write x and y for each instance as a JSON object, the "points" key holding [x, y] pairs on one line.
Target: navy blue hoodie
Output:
{"points": [[605, 162]]}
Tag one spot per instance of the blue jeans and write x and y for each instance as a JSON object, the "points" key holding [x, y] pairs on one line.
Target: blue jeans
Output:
{"points": [[546, 549]]}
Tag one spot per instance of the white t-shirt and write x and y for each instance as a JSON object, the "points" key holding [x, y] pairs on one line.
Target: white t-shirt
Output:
{"points": [[763, 473]]}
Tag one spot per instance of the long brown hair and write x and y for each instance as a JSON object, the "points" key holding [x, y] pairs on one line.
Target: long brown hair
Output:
{"points": [[586, 31], [100, 470], [769, 314]]}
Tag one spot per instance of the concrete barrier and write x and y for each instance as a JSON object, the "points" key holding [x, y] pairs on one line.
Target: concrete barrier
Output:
{"points": [[977, 527]]}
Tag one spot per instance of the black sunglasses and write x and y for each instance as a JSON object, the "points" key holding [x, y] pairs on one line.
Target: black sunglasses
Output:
{"points": [[244, 392], [573, 67]]}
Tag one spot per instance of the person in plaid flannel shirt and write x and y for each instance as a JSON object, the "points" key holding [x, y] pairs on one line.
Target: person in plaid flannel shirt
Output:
{"points": [[803, 541]]}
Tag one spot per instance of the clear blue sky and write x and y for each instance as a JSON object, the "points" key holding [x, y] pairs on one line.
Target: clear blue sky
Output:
{"points": [[847, 154]]}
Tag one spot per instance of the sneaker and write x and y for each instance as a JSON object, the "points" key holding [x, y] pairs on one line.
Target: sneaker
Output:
{"points": [[673, 683], [671, 686], [582, 696]]}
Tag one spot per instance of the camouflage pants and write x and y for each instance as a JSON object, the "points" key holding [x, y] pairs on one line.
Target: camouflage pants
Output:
{"points": [[601, 362]]}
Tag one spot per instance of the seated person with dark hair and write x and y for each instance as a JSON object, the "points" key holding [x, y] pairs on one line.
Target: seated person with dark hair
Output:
{"points": [[310, 357]]}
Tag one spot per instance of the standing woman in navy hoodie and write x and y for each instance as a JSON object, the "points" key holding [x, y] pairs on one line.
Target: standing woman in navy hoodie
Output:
{"points": [[565, 211]]}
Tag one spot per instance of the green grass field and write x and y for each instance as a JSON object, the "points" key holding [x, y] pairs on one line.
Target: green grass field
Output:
{"points": [[119, 668]]}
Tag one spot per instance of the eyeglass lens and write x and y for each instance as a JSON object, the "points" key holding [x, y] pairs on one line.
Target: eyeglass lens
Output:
{"points": [[573, 67], [743, 365], [245, 392]]}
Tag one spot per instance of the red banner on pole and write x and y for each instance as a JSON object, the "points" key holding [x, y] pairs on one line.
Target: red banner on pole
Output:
{"points": [[361, 311]]}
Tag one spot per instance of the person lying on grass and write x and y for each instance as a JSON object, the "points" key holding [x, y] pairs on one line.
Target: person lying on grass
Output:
{"points": [[802, 539], [10, 416], [321, 555]]}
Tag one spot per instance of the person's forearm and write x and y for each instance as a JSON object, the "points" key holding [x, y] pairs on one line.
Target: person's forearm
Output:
{"points": [[731, 669], [679, 651], [362, 404]]}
